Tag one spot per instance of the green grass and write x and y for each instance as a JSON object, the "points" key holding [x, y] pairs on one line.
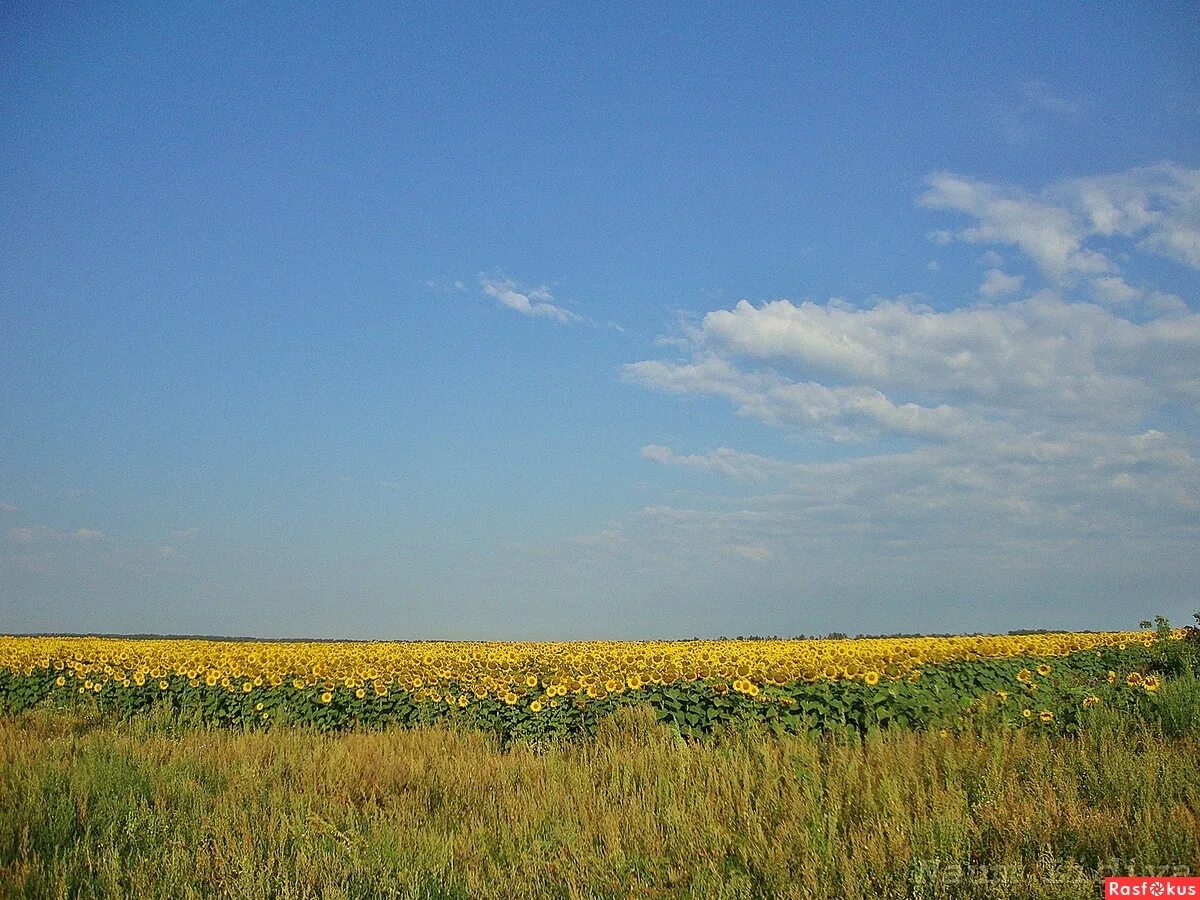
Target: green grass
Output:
{"points": [[92, 806]]}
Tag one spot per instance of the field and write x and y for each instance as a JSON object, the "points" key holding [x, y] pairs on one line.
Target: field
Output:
{"points": [[1017, 766]]}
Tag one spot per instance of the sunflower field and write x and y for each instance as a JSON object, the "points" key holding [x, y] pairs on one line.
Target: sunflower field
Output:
{"points": [[534, 690]]}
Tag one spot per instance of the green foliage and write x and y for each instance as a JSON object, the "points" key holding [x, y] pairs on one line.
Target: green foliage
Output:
{"points": [[1059, 694], [1175, 655]]}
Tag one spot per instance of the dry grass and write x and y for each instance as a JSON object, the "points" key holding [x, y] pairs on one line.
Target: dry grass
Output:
{"points": [[146, 808]]}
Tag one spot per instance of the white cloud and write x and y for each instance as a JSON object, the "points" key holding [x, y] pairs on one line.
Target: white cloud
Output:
{"points": [[997, 284], [37, 534], [752, 552], [1031, 428], [723, 461], [1048, 234], [905, 367], [1158, 207], [1114, 289], [529, 302]]}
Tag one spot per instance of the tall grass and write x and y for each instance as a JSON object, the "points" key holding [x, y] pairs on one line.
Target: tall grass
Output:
{"points": [[150, 808]]}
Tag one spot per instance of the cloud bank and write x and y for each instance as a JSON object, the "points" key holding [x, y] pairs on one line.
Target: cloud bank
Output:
{"points": [[1033, 425]]}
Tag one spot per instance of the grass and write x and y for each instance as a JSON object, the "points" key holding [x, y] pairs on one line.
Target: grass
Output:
{"points": [[150, 807]]}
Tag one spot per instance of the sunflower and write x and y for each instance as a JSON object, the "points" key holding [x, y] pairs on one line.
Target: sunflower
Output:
{"points": [[326, 697], [1133, 678], [1046, 716], [1112, 677], [535, 706], [1027, 713], [871, 678], [1150, 683], [1089, 702], [1025, 676], [1043, 670]]}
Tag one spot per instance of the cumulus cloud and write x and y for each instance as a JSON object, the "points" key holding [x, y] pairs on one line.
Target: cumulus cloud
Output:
{"points": [[1061, 227], [536, 302], [1061, 417], [997, 284], [904, 367]]}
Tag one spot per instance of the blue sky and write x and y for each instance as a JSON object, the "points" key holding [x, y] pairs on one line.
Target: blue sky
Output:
{"points": [[643, 320]]}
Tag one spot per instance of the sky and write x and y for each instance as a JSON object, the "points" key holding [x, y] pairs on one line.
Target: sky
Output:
{"points": [[628, 320]]}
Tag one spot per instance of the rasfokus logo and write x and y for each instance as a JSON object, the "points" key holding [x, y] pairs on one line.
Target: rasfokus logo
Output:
{"points": [[1151, 887]]}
